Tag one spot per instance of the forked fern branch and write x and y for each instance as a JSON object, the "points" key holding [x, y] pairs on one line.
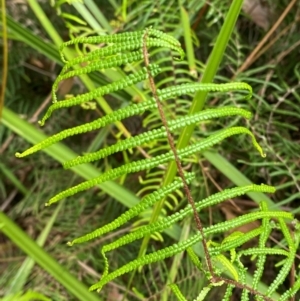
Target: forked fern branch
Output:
{"points": [[131, 47]]}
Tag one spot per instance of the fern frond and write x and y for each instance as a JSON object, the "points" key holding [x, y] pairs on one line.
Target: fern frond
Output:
{"points": [[146, 202], [262, 242], [94, 125], [176, 291], [131, 47], [128, 111], [181, 246], [191, 88], [155, 134], [153, 162], [133, 38], [281, 276], [287, 235], [285, 269], [160, 225], [194, 258], [228, 293], [291, 292], [129, 80], [206, 290], [106, 63], [266, 251], [237, 242], [113, 50], [125, 112], [170, 220]]}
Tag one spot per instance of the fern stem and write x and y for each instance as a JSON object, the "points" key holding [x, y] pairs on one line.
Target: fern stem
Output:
{"points": [[199, 99]]}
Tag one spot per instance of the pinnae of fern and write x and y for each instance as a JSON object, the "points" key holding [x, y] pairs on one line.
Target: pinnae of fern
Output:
{"points": [[132, 47]]}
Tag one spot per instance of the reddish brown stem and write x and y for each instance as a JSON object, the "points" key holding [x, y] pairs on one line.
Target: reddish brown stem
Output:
{"points": [[177, 160], [214, 278]]}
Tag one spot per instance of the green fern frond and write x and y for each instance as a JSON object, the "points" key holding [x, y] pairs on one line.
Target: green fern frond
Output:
{"points": [[155, 134], [128, 48], [228, 293], [146, 202], [194, 258], [128, 111], [133, 38], [176, 291], [285, 269], [235, 243], [192, 88], [111, 50], [106, 63], [153, 162], [150, 199], [262, 242], [130, 79], [290, 293], [170, 220], [266, 251], [181, 246], [94, 125]]}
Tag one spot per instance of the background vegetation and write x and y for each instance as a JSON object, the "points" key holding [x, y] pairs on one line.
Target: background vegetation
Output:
{"points": [[263, 51]]}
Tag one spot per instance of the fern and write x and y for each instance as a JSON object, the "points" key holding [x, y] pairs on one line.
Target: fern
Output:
{"points": [[130, 47]]}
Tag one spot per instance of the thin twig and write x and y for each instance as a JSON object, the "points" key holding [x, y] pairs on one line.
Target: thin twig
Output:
{"points": [[251, 58], [177, 160], [6, 143], [8, 200]]}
